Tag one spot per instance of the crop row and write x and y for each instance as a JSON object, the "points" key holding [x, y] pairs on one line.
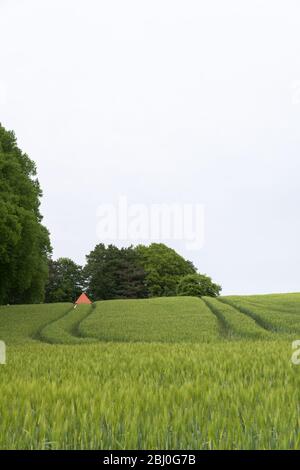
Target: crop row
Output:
{"points": [[235, 323], [65, 330], [22, 323], [273, 319]]}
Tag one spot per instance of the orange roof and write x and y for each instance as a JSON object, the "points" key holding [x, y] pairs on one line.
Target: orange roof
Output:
{"points": [[83, 299]]}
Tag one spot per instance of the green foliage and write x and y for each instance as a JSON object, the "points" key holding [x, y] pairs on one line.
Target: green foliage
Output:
{"points": [[164, 268], [143, 271], [114, 273], [198, 285], [24, 241], [66, 281]]}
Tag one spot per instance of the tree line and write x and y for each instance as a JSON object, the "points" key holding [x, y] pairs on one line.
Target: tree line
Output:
{"points": [[127, 273], [28, 274]]}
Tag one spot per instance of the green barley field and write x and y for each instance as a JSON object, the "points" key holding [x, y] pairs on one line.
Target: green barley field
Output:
{"points": [[163, 373]]}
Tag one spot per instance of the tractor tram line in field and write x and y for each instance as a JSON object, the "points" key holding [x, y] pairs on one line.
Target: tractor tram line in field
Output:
{"points": [[266, 325], [275, 320], [75, 329], [236, 324], [38, 335], [283, 309], [224, 329], [66, 330]]}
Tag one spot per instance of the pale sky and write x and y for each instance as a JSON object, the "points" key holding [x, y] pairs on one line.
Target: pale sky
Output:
{"points": [[164, 102]]}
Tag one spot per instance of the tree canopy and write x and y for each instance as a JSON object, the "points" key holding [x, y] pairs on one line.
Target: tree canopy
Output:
{"points": [[198, 285], [66, 281], [115, 273], [24, 242], [164, 268]]}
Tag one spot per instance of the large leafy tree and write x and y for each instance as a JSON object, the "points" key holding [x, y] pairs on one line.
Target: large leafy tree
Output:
{"points": [[24, 241], [164, 268], [131, 277], [114, 273], [66, 281]]}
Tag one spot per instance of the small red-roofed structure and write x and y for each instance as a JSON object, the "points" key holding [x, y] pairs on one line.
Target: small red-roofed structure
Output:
{"points": [[83, 299]]}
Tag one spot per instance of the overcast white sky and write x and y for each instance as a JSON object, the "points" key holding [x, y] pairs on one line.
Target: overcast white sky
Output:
{"points": [[164, 101]]}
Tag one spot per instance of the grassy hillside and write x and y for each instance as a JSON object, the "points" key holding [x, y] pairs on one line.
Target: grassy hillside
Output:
{"points": [[235, 323], [161, 373], [65, 330], [276, 313], [170, 320], [23, 323]]}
